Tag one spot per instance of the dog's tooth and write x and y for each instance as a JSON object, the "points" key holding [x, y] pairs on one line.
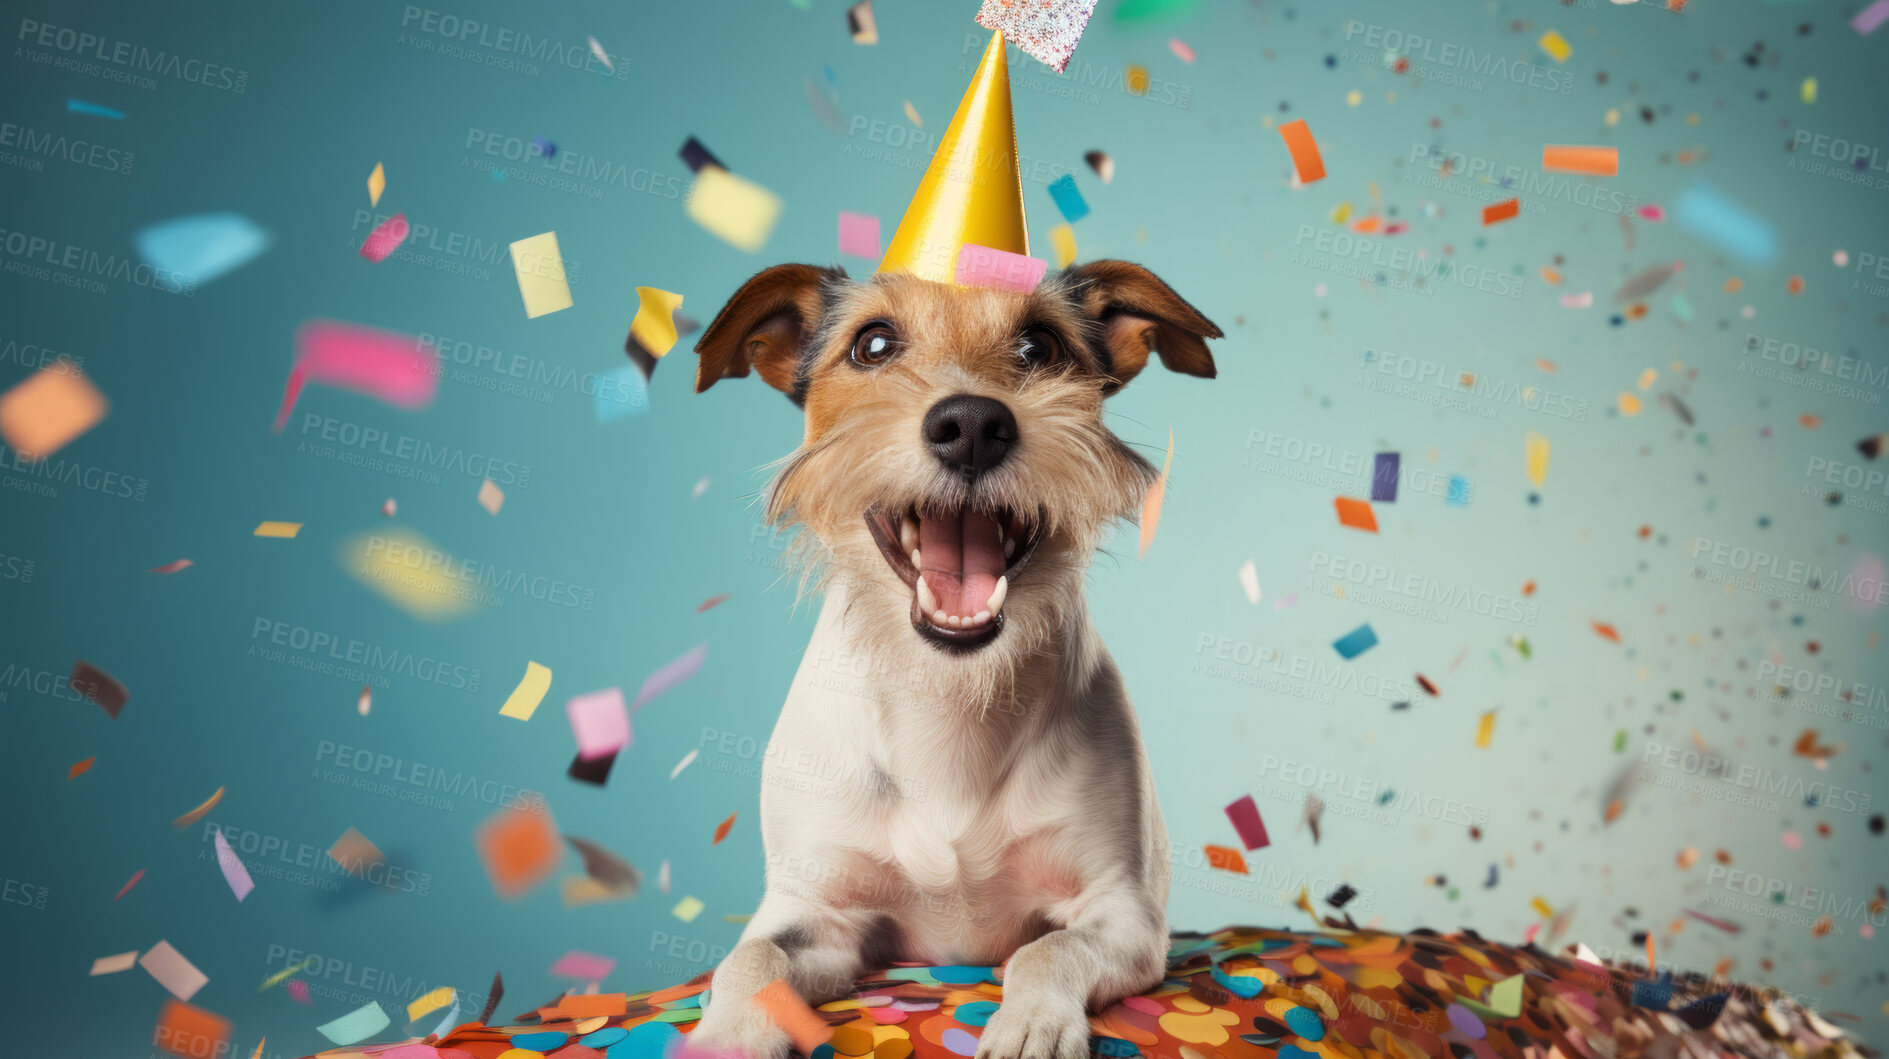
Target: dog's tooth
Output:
{"points": [[908, 534], [939, 617], [982, 617], [1010, 547], [916, 564], [956, 622], [996, 604], [926, 601]]}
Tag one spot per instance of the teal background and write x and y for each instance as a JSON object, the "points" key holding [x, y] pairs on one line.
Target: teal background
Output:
{"points": [[1203, 196]]}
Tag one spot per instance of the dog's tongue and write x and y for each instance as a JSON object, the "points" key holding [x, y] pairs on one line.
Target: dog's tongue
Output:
{"points": [[963, 555]]}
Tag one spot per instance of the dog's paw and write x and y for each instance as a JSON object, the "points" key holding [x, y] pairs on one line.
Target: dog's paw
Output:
{"points": [[739, 1027], [1036, 1027]]}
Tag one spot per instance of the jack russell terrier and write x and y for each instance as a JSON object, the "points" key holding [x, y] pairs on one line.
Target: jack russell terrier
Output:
{"points": [[954, 481]]}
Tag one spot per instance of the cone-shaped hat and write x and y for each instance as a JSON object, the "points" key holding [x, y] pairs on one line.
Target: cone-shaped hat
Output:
{"points": [[971, 193]]}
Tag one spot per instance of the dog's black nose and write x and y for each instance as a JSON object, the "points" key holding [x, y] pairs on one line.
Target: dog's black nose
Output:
{"points": [[970, 433]]}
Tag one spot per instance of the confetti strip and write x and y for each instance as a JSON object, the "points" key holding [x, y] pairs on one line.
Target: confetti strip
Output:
{"points": [[807, 1030], [1535, 452], [99, 686], [1062, 239], [357, 1025], [1871, 18], [79, 768], [1249, 581], [982, 266], [124, 961], [1726, 224], [171, 567], [233, 871], [1593, 161], [859, 234], [1355, 642], [602, 56], [712, 602], [396, 369], [80, 106], [287, 972], [1545, 910], [1497, 212], [172, 971], [1181, 50], [911, 115], [129, 883], [491, 497], [1068, 198], [376, 183], [1556, 46], [529, 691], [280, 530], [1244, 813], [49, 410], [672, 675], [365, 702], [539, 267], [686, 909], [1306, 161], [1151, 503], [422, 1006], [722, 829], [739, 212], [1385, 471], [385, 238], [1485, 730], [1047, 32], [687, 760], [599, 722], [191, 1031], [384, 563], [583, 966], [199, 812]]}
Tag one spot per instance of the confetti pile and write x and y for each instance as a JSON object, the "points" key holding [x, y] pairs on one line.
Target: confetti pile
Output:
{"points": [[1240, 993]]}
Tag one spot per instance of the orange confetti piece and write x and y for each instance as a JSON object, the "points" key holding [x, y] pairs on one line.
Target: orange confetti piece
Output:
{"points": [[1497, 212], [1795, 285], [1528, 588], [355, 852], [721, 830], [171, 567], [41, 415], [1593, 161], [1606, 631], [806, 1029], [1649, 952], [1810, 420], [1550, 276], [79, 768], [1356, 513], [520, 849], [1226, 858], [199, 812], [1157, 494], [184, 1029], [1306, 160], [1614, 809]]}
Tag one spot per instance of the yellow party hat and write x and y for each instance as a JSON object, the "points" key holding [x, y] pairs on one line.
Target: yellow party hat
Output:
{"points": [[971, 192]]}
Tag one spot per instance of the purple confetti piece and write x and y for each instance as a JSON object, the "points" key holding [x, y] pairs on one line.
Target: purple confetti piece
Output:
{"points": [[669, 676]]}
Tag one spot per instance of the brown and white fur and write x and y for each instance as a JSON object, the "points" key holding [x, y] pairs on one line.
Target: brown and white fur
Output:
{"points": [[972, 791]]}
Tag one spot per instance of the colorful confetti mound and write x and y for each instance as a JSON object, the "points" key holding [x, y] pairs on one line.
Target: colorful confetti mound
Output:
{"points": [[1243, 993]]}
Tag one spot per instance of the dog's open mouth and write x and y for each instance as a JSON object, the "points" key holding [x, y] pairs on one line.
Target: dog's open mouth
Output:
{"points": [[960, 564]]}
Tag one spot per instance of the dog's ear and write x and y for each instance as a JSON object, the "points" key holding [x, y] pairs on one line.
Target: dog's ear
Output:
{"points": [[765, 326], [1140, 315]]}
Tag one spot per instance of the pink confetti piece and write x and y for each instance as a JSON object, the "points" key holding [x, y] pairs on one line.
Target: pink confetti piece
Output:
{"points": [[1866, 577], [602, 56], [397, 369], [1583, 300], [712, 602], [859, 234], [171, 567], [385, 239], [583, 966], [129, 883], [1181, 50], [983, 266], [233, 871], [298, 988], [1729, 928], [599, 722], [1652, 212], [671, 675], [1793, 841], [1869, 19], [172, 971], [1048, 32], [1289, 601], [1245, 816]]}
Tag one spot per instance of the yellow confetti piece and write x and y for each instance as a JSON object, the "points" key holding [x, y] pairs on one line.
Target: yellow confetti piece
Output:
{"points": [[408, 571], [1136, 79], [1353, 98], [1543, 908], [655, 324], [287, 972], [1556, 46], [1629, 405], [524, 699], [199, 812], [687, 909], [376, 183], [1151, 504], [1535, 450], [278, 529], [1809, 90], [1613, 117], [738, 211], [540, 271], [1485, 730], [430, 1003], [581, 890], [911, 115], [1341, 213], [1647, 378], [1062, 239]]}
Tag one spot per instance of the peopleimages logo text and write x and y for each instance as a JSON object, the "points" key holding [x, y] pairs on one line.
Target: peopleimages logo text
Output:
{"points": [[129, 56], [1421, 49]]}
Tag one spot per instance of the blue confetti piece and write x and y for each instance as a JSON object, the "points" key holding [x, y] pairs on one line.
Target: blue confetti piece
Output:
{"points": [[831, 77], [1355, 642], [1384, 477], [545, 147], [1726, 224], [1459, 491], [1068, 199], [647, 1041], [1306, 1023], [539, 1042], [960, 974], [1648, 993], [1238, 985], [498, 176], [1287, 1051], [976, 1013], [80, 106], [1114, 1047], [603, 1038], [621, 394], [192, 251]]}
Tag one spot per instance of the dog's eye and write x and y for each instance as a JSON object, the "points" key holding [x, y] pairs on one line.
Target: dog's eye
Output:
{"points": [[1039, 347], [874, 345]]}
